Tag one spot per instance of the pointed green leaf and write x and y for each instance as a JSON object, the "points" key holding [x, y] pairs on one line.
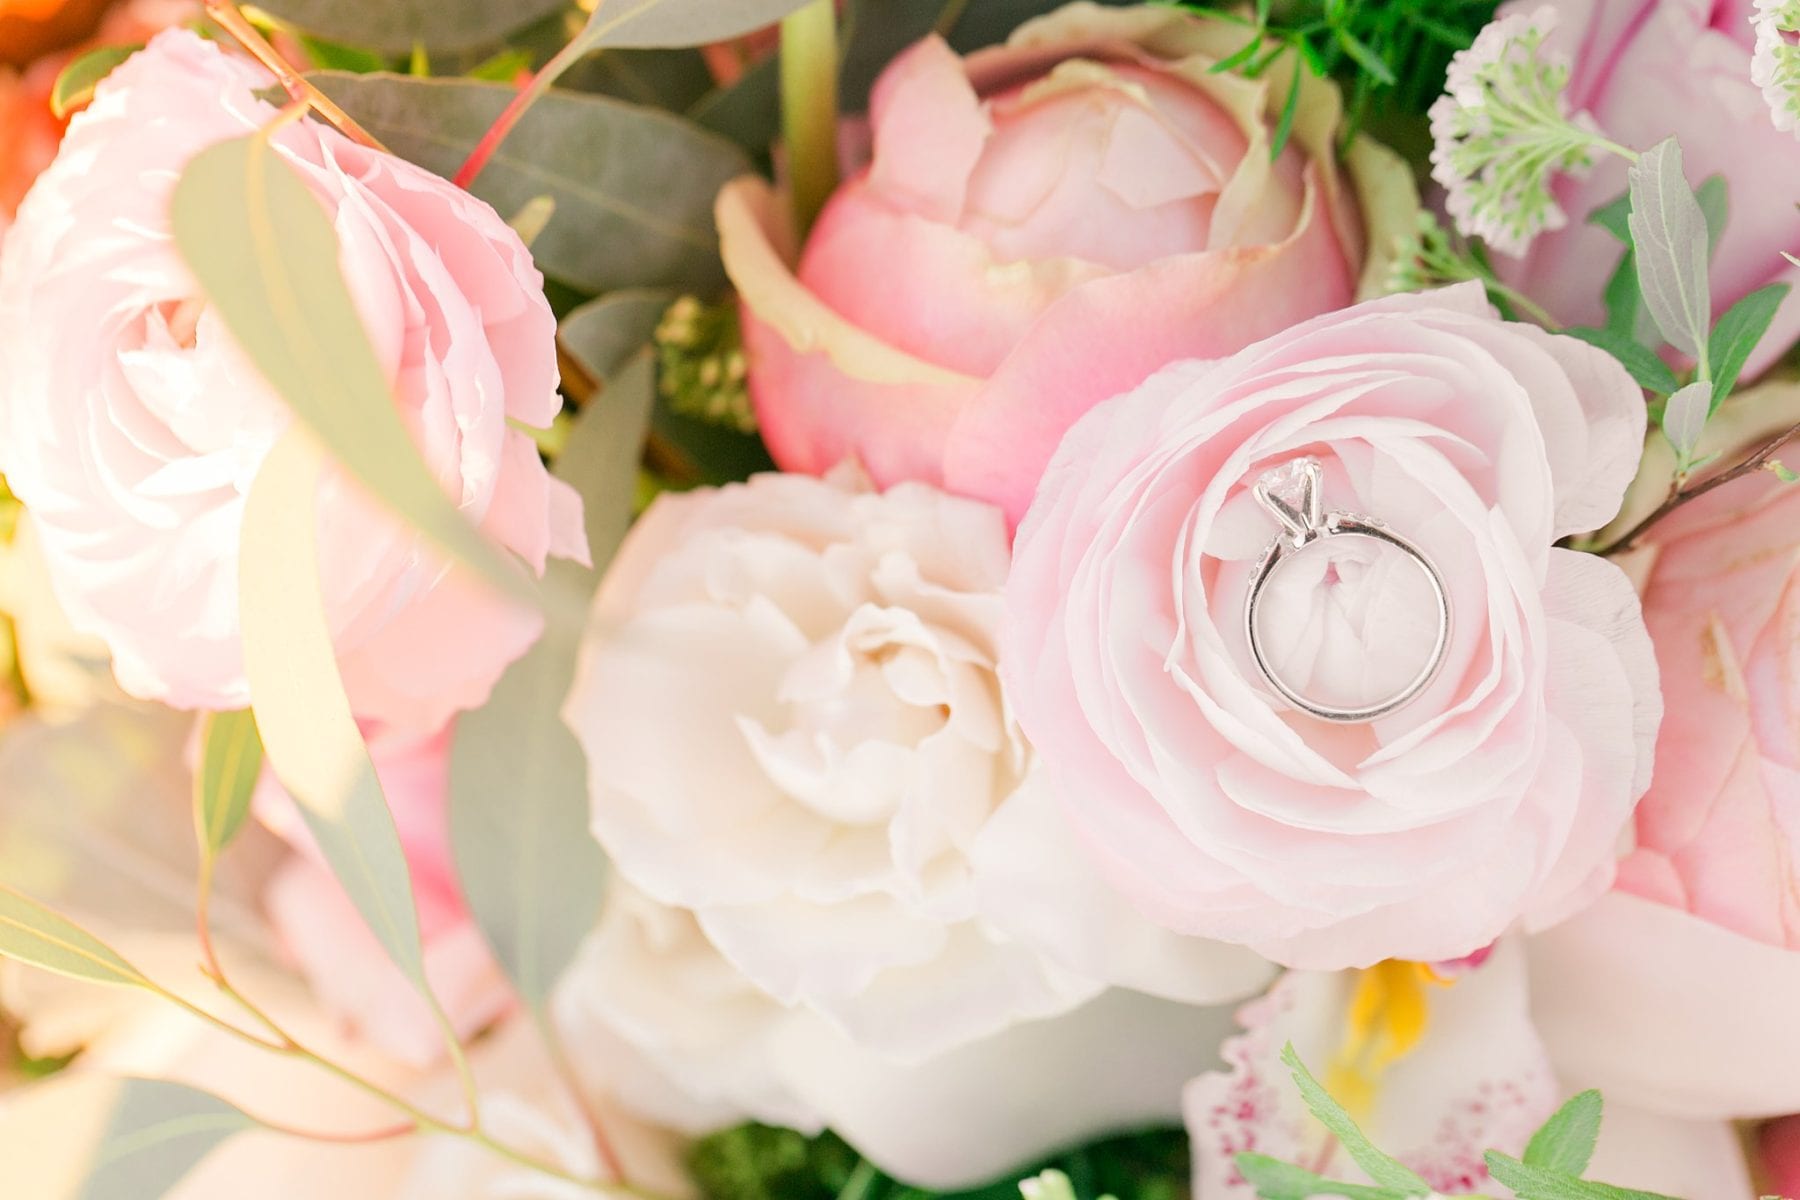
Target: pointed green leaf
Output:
{"points": [[1668, 231], [1651, 372], [1715, 204], [1614, 217], [33, 934], [1277, 1180], [75, 86], [231, 759], [1541, 1183], [529, 866], [396, 26], [157, 1132], [1684, 420], [1566, 1141], [311, 738], [634, 186], [265, 253], [1386, 1170], [1735, 337]]}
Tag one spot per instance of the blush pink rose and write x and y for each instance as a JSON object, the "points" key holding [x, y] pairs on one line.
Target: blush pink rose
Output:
{"points": [[132, 427], [1779, 1143], [1499, 793], [333, 946], [1042, 225], [1646, 70]]}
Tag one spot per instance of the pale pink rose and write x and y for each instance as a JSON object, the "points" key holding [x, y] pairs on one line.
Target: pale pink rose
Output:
{"points": [[332, 944], [1779, 1144], [1646, 70], [795, 730], [1042, 225], [1703, 930], [1499, 793], [131, 425]]}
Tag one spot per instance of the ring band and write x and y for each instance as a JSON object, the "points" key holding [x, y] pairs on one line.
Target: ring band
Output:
{"points": [[1294, 495]]}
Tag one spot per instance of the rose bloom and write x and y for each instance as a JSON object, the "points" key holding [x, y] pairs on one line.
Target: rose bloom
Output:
{"points": [[1779, 1143], [1646, 70], [131, 426], [330, 941], [1042, 225], [795, 730], [1499, 792], [1704, 925], [1437, 1069]]}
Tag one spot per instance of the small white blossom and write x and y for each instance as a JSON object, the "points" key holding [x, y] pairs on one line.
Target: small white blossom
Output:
{"points": [[1775, 68], [1502, 131]]}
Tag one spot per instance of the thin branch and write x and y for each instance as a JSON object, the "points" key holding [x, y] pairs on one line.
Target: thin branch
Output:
{"points": [[1679, 495], [232, 21]]}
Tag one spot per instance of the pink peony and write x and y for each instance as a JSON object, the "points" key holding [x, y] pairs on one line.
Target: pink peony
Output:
{"points": [[333, 946], [1499, 793], [1042, 225], [1646, 70], [131, 426]]}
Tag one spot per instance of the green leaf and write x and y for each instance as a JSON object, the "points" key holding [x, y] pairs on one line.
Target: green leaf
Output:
{"points": [[1715, 205], [396, 26], [265, 253], [1540, 1183], [1383, 1168], [75, 86], [33, 934], [1238, 58], [634, 186], [1735, 337], [231, 759], [1285, 126], [157, 1132], [1277, 1180], [1566, 1141], [663, 23], [1668, 231], [308, 732], [748, 113], [1614, 217], [1624, 303], [1364, 57], [1651, 372], [530, 868]]}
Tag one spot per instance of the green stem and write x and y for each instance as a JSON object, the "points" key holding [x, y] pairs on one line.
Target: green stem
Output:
{"points": [[809, 104]]}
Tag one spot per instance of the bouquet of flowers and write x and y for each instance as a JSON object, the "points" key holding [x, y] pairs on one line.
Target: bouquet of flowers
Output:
{"points": [[890, 599]]}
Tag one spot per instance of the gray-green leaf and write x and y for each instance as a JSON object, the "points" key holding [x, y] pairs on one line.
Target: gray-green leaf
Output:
{"points": [[396, 26], [634, 186], [1277, 1180], [265, 253], [1684, 419], [158, 1131], [1566, 1141], [662, 23], [1668, 230], [1541, 1183], [1735, 337], [75, 86], [231, 759], [530, 868], [33, 934], [1380, 1166]]}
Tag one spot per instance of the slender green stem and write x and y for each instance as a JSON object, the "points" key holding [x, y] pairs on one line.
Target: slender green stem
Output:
{"points": [[809, 103]]}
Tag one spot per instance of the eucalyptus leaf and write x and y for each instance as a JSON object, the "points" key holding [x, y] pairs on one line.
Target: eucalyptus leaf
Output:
{"points": [[156, 1133], [530, 868], [634, 186], [1380, 1166], [603, 335], [669, 79], [308, 732], [396, 26], [748, 112], [875, 32], [1541, 1183], [1669, 234], [1736, 335], [1651, 372], [31, 933], [266, 255], [75, 86], [1566, 1141], [665, 23], [231, 759], [989, 22]]}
